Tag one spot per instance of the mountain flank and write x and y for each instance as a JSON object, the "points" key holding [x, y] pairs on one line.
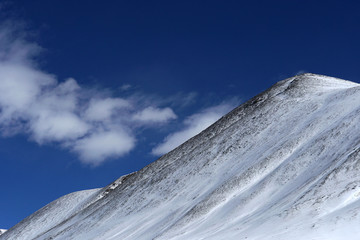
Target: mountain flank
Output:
{"points": [[284, 165]]}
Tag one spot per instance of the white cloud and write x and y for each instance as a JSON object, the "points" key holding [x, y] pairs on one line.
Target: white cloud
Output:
{"points": [[58, 127], [13, 48], [20, 86], [155, 115], [104, 109], [100, 146], [94, 126], [90, 123], [193, 126]]}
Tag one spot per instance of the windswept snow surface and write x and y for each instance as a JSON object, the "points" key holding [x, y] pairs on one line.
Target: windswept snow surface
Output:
{"points": [[2, 231], [284, 165]]}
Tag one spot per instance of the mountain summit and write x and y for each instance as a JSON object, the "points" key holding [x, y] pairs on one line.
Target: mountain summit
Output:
{"points": [[284, 165]]}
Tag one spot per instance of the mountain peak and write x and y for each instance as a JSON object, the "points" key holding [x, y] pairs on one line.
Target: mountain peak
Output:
{"points": [[307, 84], [284, 165], [318, 82]]}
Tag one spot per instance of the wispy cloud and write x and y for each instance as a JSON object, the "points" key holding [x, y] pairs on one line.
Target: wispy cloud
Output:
{"points": [[90, 123], [193, 125], [300, 72], [94, 126], [154, 115], [104, 109], [103, 145], [125, 87]]}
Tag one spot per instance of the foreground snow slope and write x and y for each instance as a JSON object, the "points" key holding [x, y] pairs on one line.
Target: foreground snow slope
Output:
{"points": [[284, 165]]}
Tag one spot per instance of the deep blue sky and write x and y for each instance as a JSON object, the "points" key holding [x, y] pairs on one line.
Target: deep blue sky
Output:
{"points": [[215, 51]]}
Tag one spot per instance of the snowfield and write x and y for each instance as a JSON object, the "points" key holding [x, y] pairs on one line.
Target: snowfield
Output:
{"points": [[284, 165]]}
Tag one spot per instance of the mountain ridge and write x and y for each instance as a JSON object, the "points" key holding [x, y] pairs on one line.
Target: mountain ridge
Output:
{"points": [[287, 145]]}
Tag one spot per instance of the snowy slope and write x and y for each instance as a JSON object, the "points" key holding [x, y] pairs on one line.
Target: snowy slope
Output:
{"points": [[2, 231], [284, 165]]}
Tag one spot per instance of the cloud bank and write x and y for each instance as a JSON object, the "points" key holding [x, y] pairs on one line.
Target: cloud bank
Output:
{"points": [[85, 122], [90, 123], [193, 125]]}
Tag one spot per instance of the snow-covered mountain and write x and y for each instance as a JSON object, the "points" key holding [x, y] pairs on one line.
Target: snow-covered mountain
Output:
{"points": [[284, 165], [2, 231]]}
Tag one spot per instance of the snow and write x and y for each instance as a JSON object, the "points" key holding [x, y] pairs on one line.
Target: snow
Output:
{"points": [[284, 165], [2, 231]]}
